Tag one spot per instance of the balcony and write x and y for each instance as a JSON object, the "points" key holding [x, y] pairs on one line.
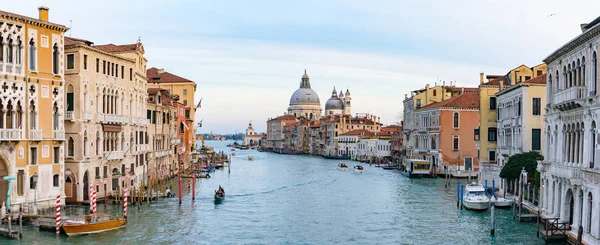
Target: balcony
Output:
{"points": [[87, 116], [70, 115], [35, 134], [142, 147], [568, 172], [11, 134], [161, 153], [113, 155], [175, 141], [58, 134], [140, 121], [569, 99], [112, 118]]}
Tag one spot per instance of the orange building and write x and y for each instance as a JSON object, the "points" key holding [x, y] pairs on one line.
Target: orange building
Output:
{"points": [[446, 132]]}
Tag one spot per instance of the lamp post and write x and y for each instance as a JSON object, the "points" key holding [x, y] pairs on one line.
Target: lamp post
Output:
{"points": [[35, 179]]}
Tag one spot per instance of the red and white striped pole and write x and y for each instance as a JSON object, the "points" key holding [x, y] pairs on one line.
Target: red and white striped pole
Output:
{"points": [[91, 199], [58, 214], [94, 202], [125, 203]]}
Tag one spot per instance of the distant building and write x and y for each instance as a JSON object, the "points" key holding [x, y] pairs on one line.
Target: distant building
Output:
{"points": [[251, 138], [305, 101]]}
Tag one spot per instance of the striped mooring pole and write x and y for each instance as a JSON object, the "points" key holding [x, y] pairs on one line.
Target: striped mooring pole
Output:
{"points": [[58, 214], [94, 202], [125, 203], [91, 199]]}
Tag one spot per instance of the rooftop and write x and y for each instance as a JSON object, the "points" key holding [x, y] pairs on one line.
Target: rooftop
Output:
{"points": [[156, 75], [463, 101]]}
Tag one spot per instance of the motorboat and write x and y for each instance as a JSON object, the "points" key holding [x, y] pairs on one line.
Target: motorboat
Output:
{"points": [[501, 202], [93, 224], [416, 168], [250, 158], [334, 157], [474, 197], [342, 167], [359, 169]]}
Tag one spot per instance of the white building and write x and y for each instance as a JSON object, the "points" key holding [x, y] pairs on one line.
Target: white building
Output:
{"points": [[570, 172], [251, 138], [348, 142], [383, 148]]}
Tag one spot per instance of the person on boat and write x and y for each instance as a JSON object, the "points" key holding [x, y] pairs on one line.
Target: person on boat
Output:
{"points": [[169, 192]]}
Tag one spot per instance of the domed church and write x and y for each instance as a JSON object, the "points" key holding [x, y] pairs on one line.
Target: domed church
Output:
{"points": [[338, 104], [305, 101]]}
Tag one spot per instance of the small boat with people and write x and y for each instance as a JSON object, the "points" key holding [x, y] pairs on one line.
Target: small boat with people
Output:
{"points": [[474, 197], [359, 169], [342, 167], [220, 194], [250, 158]]}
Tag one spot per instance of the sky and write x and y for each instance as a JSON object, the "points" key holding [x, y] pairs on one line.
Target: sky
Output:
{"points": [[247, 57]]}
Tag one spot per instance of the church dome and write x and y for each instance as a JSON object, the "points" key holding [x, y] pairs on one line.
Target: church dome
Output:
{"points": [[334, 103], [305, 96]]}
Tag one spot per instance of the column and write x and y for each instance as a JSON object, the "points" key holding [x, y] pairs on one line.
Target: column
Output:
{"points": [[595, 215], [581, 147], [586, 210], [585, 145], [577, 147], [576, 211]]}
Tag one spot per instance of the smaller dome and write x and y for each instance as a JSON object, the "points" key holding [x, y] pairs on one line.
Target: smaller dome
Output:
{"points": [[347, 92], [334, 103]]}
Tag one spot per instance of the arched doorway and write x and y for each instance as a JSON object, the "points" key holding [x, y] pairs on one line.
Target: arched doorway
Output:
{"points": [[569, 205], [86, 186], [70, 187], [3, 183]]}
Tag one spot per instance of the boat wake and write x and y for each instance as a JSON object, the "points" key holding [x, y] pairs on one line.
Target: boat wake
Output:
{"points": [[266, 192]]}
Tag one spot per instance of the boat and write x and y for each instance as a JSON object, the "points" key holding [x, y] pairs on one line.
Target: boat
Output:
{"points": [[334, 157], [342, 167], [474, 197], [233, 153], [244, 147], [501, 202], [93, 224], [220, 194], [359, 169], [250, 158], [416, 168]]}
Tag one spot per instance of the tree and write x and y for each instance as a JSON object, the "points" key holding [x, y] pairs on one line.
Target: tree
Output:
{"points": [[517, 162], [399, 118]]}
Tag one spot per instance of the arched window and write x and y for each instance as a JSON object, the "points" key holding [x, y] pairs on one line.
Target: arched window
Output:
{"points": [[558, 88], [9, 115], [55, 59], [456, 120], [9, 51], [71, 147], [570, 77], [19, 57], [70, 98], [55, 180], [32, 58], [595, 72], [550, 85], [566, 77], [1, 49], [579, 73], [55, 120], [583, 71], [593, 145], [455, 143], [434, 92], [32, 116]]}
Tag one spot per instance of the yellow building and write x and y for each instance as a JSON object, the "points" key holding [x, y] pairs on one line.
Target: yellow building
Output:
{"points": [[31, 108], [159, 78], [486, 135]]}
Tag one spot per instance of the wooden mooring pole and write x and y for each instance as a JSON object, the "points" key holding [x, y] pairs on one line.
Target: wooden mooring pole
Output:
{"points": [[492, 220]]}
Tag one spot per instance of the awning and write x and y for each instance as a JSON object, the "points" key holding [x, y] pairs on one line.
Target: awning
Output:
{"points": [[111, 128]]}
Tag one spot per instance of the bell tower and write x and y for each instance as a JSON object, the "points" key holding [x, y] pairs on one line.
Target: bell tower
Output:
{"points": [[347, 103]]}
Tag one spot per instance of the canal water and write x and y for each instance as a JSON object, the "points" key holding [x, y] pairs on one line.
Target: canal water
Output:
{"points": [[288, 199]]}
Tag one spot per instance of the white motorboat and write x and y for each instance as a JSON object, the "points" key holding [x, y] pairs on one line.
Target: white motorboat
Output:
{"points": [[342, 167], [250, 158], [474, 197], [501, 202], [359, 169]]}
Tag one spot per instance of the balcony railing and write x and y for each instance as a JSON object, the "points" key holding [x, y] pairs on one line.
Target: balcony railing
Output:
{"points": [[58, 134], [112, 118], [572, 93], [70, 115], [567, 172], [11, 134], [161, 153], [35, 134], [87, 116], [113, 155]]}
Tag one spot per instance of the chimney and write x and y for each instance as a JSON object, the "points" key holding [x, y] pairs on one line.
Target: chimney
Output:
{"points": [[405, 96], [501, 84], [462, 91], [481, 78], [43, 13], [161, 71], [583, 29], [427, 86]]}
